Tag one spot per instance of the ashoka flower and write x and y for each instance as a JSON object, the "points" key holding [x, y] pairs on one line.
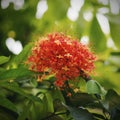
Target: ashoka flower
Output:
{"points": [[63, 56]]}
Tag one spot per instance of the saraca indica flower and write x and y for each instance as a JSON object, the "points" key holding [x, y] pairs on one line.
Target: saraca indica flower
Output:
{"points": [[62, 56]]}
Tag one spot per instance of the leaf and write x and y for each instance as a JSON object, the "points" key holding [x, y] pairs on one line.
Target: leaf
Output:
{"points": [[15, 88], [17, 60], [15, 73], [62, 7], [81, 99], [24, 114], [115, 113], [97, 37], [49, 102], [93, 87], [4, 59], [113, 98], [7, 104], [79, 113], [114, 29], [38, 110], [115, 59], [7, 115]]}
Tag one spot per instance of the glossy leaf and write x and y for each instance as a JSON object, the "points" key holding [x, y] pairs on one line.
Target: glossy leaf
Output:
{"points": [[82, 99], [93, 87], [79, 113], [113, 99]]}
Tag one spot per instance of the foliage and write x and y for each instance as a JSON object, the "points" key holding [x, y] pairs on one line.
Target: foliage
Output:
{"points": [[23, 98]]}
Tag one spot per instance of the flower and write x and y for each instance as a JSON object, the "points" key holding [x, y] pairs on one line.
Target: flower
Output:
{"points": [[62, 56]]}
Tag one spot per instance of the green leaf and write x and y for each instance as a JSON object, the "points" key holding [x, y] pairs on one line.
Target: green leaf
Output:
{"points": [[62, 7], [49, 102], [38, 110], [12, 86], [79, 113], [4, 59], [7, 115], [114, 29], [7, 104], [97, 37], [15, 73], [115, 59], [93, 87], [20, 59], [25, 112]]}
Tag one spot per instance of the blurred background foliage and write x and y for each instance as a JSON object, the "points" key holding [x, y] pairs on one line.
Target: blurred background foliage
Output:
{"points": [[94, 22]]}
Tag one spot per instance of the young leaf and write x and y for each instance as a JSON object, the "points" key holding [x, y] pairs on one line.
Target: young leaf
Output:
{"points": [[4, 59], [93, 87]]}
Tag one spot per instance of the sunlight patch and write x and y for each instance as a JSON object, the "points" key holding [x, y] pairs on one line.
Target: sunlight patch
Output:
{"points": [[14, 46], [73, 11], [110, 44], [88, 16], [104, 24], [115, 6], [41, 8], [18, 4], [84, 40]]}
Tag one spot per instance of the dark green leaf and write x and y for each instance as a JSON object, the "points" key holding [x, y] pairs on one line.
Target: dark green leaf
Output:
{"points": [[5, 114], [4, 102], [115, 53], [4, 59], [113, 98], [81, 99], [79, 113], [115, 113], [15, 88]]}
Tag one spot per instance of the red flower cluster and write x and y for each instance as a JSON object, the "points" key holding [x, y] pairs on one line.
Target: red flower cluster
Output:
{"points": [[63, 56]]}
